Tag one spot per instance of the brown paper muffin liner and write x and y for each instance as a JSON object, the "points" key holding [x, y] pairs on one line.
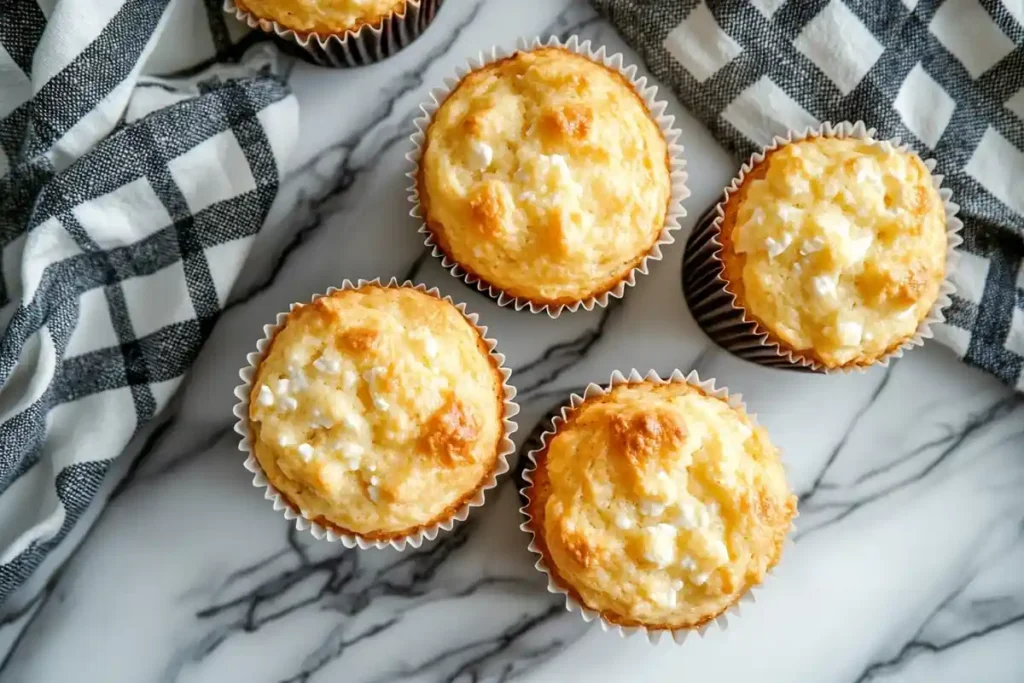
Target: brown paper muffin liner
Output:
{"points": [[727, 323], [319, 531], [572, 604], [656, 108], [365, 44]]}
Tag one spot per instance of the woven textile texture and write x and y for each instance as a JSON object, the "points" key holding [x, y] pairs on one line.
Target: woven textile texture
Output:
{"points": [[945, 76], [128, 204]]}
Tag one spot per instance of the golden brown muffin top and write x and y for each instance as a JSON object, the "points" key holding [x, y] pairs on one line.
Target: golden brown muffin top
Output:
{"points": [[377, 410], [838, 247], [658, 505], [545, 175], [322, 16]]}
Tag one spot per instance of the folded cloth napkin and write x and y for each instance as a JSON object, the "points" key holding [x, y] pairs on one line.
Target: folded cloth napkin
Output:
{"points": [[947, 77], [127, 207]]}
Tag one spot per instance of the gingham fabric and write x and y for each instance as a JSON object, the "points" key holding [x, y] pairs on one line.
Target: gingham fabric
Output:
{"points": [[127, 206], [946, 76]]}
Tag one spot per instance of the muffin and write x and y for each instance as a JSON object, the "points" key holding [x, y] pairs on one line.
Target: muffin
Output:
{"points": [[379, 412], [657, 505], [339, 32], [545, 178], [835, 248], [322, 16]]}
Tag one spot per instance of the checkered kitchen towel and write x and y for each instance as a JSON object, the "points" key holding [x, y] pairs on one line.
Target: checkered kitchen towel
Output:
{"points": [[946, 76], [127, 206]]}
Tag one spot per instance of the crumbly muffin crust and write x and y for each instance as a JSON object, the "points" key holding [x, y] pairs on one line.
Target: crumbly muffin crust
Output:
{"points": [[322, 16], [658, 505], [836, 246], [377, 411], [544, 175]]}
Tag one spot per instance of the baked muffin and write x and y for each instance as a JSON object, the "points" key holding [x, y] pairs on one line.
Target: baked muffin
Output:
{"points": [[545, 176], [378, 411], [658, 505], [836, 247], [322, 16], [338, 33]]}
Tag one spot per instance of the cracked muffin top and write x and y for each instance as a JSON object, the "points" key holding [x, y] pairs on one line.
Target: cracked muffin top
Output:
{"points": [[322, 16], [658, 505], [545, 176], [837, 246], [377, 410]]}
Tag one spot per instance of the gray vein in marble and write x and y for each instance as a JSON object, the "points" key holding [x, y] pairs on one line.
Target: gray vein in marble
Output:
{"points": [[918, 645], [853, 424], [563, 26], [951, 443], [557, 359], [342, 585], [483, 650], [952, 439], [413, 270]]}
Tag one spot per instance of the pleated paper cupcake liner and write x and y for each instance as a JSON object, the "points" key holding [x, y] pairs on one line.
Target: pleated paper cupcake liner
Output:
{"points": [[572, 604], [727, 323], [365, 44], [350, 540], [657, 109]]}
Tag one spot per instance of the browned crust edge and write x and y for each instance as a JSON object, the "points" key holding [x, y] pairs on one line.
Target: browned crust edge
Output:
{"points": [[539, 491], [448, 512], [324, 30], [436, 229], [732, 263]]}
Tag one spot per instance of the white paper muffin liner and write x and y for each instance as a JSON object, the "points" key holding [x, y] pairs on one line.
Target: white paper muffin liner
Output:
{"points": [[415, 539], [728, 324], [653, 635], [657, 109], [366, 44]]}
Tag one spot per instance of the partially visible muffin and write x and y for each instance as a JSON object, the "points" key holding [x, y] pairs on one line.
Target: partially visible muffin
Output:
{"points": [[658, 505], [544, 175], [836, 247], [322, 16], [377, 411]]}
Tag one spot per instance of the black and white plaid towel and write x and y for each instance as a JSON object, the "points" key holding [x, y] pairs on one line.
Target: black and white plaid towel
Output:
{"points": [[128, 204], [946, 76]]}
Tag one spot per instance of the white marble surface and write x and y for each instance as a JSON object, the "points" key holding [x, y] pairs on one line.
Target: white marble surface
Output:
{"points": [[909, 554]]}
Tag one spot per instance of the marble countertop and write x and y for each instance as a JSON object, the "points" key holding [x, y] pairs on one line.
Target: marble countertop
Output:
{"points": [[908, 556]]}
